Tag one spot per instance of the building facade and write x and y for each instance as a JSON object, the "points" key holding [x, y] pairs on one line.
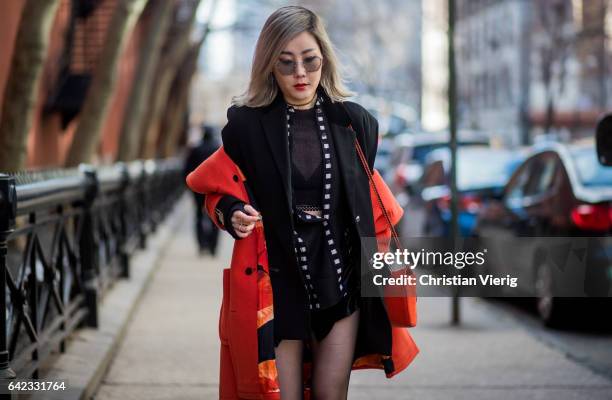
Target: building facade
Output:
{"points": [[526, 68]]}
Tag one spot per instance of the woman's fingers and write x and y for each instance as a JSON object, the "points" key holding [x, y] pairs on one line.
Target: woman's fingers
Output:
{"points": [[243, 218], [242, 234], [244, 230], [245, 223], [252, 211]]}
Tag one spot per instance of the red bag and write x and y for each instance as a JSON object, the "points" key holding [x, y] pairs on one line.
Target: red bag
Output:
{"points": [[400, 300]]}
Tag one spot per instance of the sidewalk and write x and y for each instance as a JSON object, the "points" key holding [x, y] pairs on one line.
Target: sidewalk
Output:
{"points": [[170, 349], [487, 357]]}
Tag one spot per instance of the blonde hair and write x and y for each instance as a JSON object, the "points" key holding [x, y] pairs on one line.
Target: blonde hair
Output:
{"points": [[280, 27]]}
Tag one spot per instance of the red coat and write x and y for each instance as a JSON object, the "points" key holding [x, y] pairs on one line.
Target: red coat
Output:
{"points": [[247, 294]]}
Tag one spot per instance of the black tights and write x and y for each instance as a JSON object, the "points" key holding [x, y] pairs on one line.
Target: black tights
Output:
{"points": [[332, 361]]}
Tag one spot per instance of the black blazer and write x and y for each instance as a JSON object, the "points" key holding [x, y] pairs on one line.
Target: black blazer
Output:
{"points": [[256, 140]]}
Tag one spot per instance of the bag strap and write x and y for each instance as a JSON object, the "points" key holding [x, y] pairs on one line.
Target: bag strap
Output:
{"points": [[371, 179]]}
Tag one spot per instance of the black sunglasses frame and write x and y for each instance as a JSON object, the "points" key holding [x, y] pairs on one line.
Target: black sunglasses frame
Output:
{"points": [[294, 65]]}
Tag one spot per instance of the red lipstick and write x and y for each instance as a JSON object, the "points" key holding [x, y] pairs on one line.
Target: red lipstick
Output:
{"points": [[300, 86]]}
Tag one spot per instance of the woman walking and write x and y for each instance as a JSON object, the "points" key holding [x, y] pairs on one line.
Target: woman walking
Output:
{"points": [[288, 186]]}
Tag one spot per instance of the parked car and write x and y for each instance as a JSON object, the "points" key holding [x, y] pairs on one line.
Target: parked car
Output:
{"points": [[482, 173], [558, 191], [410, 151]]}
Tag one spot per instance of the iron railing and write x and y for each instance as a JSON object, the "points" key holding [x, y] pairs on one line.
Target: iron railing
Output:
{"points": [[65, 237]]}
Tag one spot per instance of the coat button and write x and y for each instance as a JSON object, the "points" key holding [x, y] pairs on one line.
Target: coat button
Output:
{"points": [[248, 270], [235, 177], [357, 218]]}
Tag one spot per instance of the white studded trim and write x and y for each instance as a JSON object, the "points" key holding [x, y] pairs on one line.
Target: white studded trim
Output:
{"points": [[326, 206]]}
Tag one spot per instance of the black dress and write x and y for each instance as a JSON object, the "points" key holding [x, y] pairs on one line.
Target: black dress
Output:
{"points": [[294, 315]]}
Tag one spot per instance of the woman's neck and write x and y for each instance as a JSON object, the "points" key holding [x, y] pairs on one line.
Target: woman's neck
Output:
{"points": [[303, 106]]}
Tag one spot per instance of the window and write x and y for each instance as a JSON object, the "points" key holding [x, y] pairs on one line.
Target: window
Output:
{"points": [[515, 190], [543, 172]]}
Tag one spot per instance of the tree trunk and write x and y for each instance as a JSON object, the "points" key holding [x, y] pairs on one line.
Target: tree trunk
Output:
{"points": [[21, 93], [178, 45], [148, 60], [177, 106], [175, 126], [171, 123], [92, 116], [172, 119]]}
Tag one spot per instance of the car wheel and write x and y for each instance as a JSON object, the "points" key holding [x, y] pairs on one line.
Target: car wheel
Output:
{"points": [[550, 308]]}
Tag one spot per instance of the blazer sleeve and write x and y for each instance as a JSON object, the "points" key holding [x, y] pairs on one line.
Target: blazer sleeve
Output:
{"points": [[366, 128], [371, 127], [230, 135], [392, 206], [223, 210]]}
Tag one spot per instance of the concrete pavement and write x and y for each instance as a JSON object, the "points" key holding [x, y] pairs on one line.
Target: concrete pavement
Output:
{"points": [[170, 349], [488, 356]]}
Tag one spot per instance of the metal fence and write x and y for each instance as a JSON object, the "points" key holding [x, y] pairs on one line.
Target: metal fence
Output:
{"points": [[65, 237]]}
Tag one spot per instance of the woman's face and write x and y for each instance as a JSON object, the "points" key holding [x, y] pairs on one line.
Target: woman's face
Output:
{"points": [[300, 85]]}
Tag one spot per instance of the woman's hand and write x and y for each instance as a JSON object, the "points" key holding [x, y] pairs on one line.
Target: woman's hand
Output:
{"points": [[245, 223]]}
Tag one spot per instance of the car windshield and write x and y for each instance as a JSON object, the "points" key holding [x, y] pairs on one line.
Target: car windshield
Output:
{"points": [[396, 124], [590, 171], [419, 153], [484, 169]]}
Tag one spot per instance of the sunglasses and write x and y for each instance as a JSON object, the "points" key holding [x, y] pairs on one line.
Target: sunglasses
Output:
{"points": [[288, 67]]}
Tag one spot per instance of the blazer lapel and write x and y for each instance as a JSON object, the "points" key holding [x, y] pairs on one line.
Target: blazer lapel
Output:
{"points": [[274, 124], [344, 143]]}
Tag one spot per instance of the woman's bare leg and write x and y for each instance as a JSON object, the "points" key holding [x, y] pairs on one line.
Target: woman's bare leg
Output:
{"points": [[289, 368], [333, 358]]}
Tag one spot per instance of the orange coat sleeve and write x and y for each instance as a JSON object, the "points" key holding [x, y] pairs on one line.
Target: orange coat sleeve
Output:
{"points": [[216, 177]]}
